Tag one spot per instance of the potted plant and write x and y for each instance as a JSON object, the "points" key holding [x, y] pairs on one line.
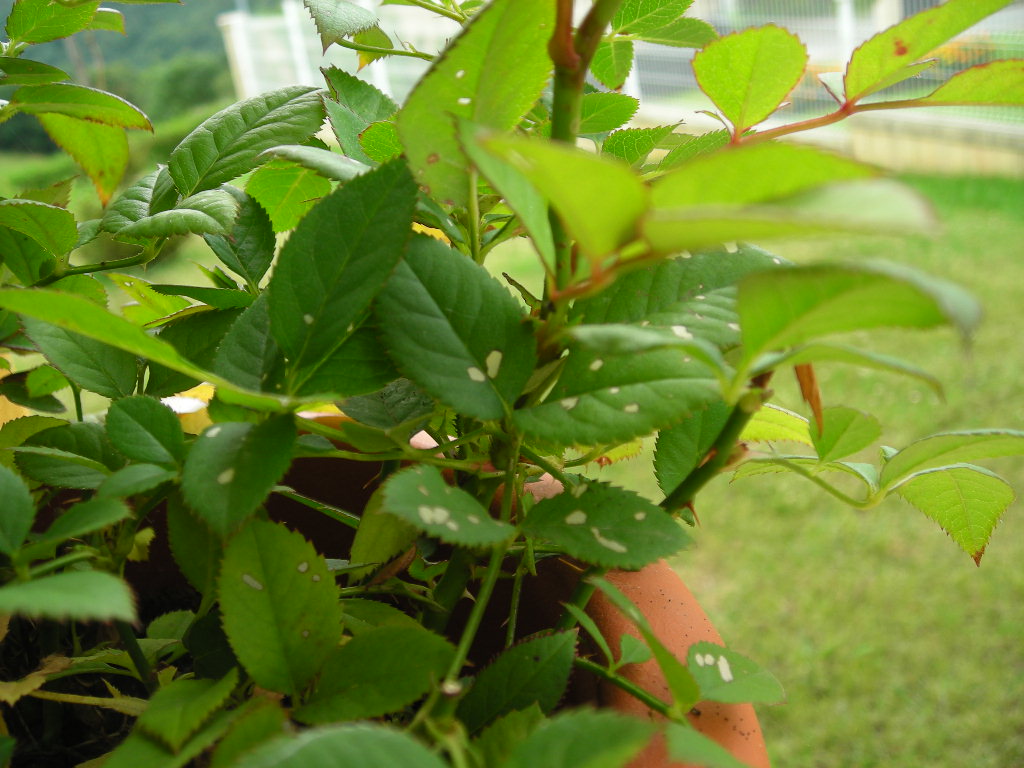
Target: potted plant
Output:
{"points": [[280, 587]]}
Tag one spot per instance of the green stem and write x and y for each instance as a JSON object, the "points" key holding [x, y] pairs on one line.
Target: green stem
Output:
{"points": [[867, 503], [580, 597], [440, 10], [131, 645], [383, 51], [513, 613], [58, 563], [474, 219], [544, 464], [651, 701], [76, 395]]}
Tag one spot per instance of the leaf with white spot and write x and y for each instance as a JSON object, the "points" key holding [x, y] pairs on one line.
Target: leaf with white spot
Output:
{"points": [[726, 676], [455, 330], [607, 526], [280, 606], [233, 466], [421, 497]]}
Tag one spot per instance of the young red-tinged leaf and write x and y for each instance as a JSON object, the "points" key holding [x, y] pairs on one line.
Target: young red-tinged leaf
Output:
{"points": [[749, 73], [492, 75], [951, 448], [997, 83], [534, 671], [843, 432], [337, 19], [421, 497], [286, 191], [51, 227], [18, 71], [726, 676], [601, 739], [377, 672], [874, 63], [367, 745], [280, 606], [71, 595], [607, 526], [81, 102], [612, 62], [39, 21], [966, 501], [178, 710], [603, 112], [233, 466]]}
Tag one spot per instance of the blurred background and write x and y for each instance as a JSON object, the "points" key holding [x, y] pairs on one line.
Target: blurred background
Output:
{"points": [[894, 648]]}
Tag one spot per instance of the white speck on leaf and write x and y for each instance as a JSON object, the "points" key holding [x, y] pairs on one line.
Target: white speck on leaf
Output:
{"points": [[579, 490], [614, 390], [734, 326], [308, 319], [305, 633], [473, 519], [434, 515], [724, 669], [303, 566], [460, 74], [250, 581], [316, 577], [569, 403], [632, 408], [640, 516], [476, 374], [596, 365], [493, 363], [423, 489], [452, 525], [213, 431], [614, 546], [226, 476], [576, 517], [682, 331], [465, 101]]}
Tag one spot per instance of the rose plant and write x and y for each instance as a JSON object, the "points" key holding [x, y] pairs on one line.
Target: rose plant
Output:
{"points": [[161, 604]]}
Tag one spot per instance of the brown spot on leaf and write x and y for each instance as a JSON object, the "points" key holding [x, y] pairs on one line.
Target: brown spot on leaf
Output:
{"points": [[899, 47], [433, 158]]}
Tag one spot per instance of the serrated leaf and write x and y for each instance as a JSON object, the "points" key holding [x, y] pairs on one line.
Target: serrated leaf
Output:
{"points": [[145, 430], [492, 74], [612, 62], [77, 595], [19, 511], [196, 336], [108, 20], [232, 467], [951, 448], [280, 606], [197, 551], [360, 365], [379, 538], [380, 141], [456, 331], [599, 198], [211, 211], [248, 249], [335, 262], [60, 468], [376, 673], [135, 479], [286, 191], [681, 33], [966, 501], [356, 104], [337, 19], [145, 197], [263, 720], [694, 146], [749, 73], [82, 519], [400, 402], [773, 423], [595, 739], [618, 339], [421, 497], [845, 432], [228, 144], [82, 102], [20, 71], [363, 744], [178, 710], [39, 21], [875, 62], [607, 526], [641, 16], [603, 112], [497, 741], [726, 676], [534, 671], [147, 305], [91, 364], [58, 193], [51, 227], [633, 145], [248, 354], [791, 306], [996, 83], [682, 447], [325, 162], [691, 746]]}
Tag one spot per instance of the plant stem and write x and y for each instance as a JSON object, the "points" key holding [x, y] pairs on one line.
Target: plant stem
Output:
{"points": [[76, 395], [580, 597], [652, 701], [131, 645], [383, 51], [440, 10], [60, 562], [474, 219]]}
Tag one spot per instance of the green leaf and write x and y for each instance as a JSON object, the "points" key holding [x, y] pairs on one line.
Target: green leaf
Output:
{"points": [[263, 720], [633, 145], [748, 74], [210, 212], [19, 511], [694, 146], [360, 365], [39, 21], [52, 227], [636, 17], [91, 364], [772, 424], [145, 430], [227, 145], [846, 432], [196, 550], [72, 595], [148, 306], [379, 538], [325, 162], [534, 671], [280, 606], [60, 468], [781, 308], [135, 479], [82, 519], [355, 105], [197, 336], [951, 448], [399, 403], [455, 330], [376, 673], [365, 745], [286, 191], [233, 466], [607, 526], [58, 193], [145, 197], [420, 496], [682, 447], [681, 33], [178, 710], [594, 739], [337, 19], [613, 399], [215, 298], [997, 83], [599, 198], [17, 71], [603, 112], [693, 747], [108, 20], [138, 749], [81, 102], [380, 141], [248, 354], [15, 388], [888, 52], [966, 501], [248, 249], [612, 62], [726, 676], [335, 263], [618, 339], [498, 740], [492, 74]]}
